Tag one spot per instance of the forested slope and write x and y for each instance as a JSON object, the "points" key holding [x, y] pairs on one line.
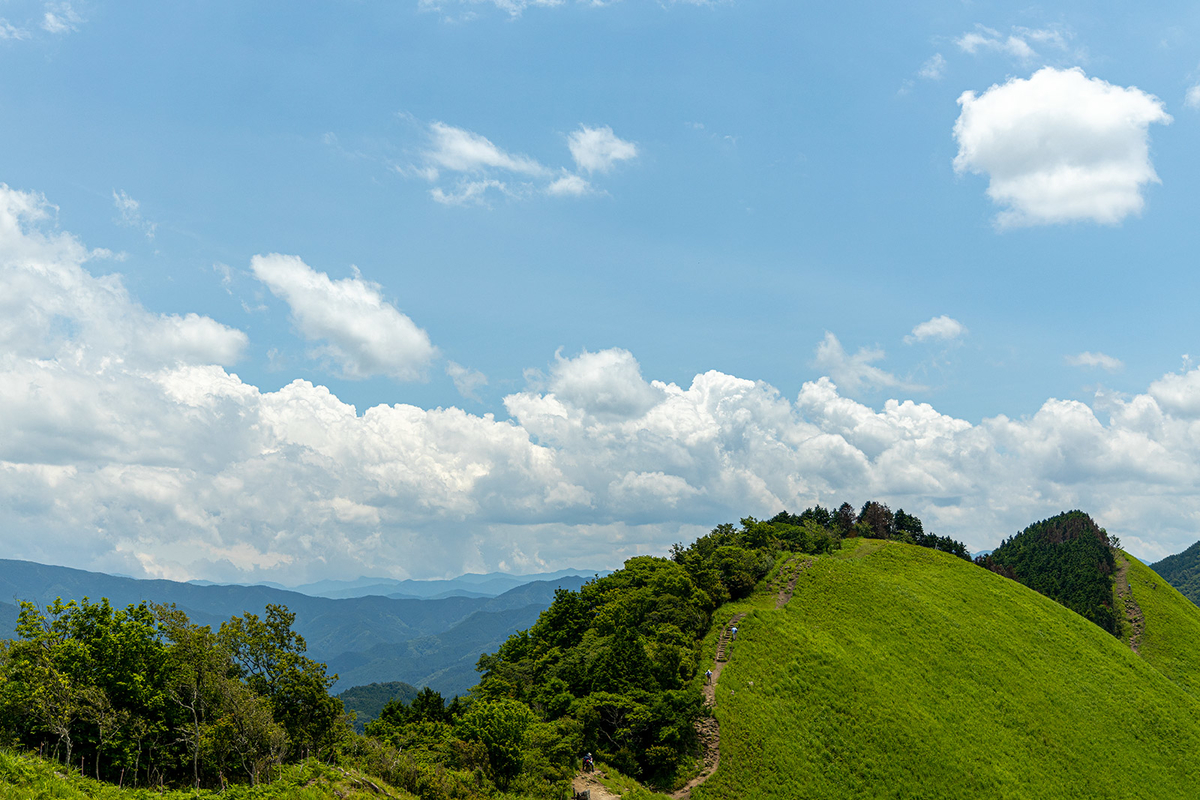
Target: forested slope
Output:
{"points": [[901, 672]]}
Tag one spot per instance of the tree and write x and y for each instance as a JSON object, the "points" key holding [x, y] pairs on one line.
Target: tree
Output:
{"points": [[270, 657], [500, 725]]}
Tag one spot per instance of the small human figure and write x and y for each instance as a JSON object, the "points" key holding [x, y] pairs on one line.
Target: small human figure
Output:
{"points": [[588, 764], [734, 632], [708, 676]]}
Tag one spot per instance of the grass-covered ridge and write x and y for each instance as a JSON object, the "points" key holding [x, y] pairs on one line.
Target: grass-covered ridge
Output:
{"points": [[902, 672]]}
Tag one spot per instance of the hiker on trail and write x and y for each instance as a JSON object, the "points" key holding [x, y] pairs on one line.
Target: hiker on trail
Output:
{"points": [[588, 764], [734, 632], [708, 676]]}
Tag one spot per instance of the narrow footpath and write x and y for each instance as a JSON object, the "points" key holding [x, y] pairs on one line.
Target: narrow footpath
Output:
{"points": [[1133, 612], [707, 728], [785, 592]]}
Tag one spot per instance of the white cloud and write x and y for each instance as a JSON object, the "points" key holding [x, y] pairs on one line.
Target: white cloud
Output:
{"points": [[599, 149], [154, 460], [934, 68], [463, 151], [569, 184], [60, 18], [608, 384], [467, 381], [942, 327], [1016, 45], [1059, 147], [468, 192], [1089, 359], [479, 170], [131, 215], [854, 373], [512, 7], [9, 31], [364, 335], [1192, 98]]}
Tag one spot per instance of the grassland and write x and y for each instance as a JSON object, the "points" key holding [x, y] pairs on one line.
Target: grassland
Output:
{"points": [[897, 671], [1171, 641], [24, 777]]}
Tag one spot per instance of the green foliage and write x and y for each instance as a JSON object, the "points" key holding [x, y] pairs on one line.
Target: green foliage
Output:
{"points": [[24, 776], [1068, 558], [141, 696], [900, 672], [367, 701]]}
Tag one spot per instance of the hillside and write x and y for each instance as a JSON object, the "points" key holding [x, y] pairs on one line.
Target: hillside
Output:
{"points": [[1182, 571], [1172, 627], [898, 671]]}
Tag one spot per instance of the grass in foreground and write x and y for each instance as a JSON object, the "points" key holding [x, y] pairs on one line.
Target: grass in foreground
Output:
{"points": [[27, 777], [897, 671]]}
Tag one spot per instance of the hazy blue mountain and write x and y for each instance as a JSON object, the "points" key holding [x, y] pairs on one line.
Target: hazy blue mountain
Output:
{"points": [[469, 585], [333, 628], [445, 662]]}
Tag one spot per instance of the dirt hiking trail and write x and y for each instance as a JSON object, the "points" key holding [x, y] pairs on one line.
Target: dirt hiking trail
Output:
{"points": [[1133, 612], [785, 592]]}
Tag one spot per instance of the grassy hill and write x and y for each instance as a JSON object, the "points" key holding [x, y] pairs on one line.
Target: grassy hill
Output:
{"points": [[897, 671]]}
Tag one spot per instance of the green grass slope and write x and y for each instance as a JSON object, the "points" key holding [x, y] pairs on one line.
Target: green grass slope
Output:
{"points": [[1171, 640], [897, 671], [28, 777]]}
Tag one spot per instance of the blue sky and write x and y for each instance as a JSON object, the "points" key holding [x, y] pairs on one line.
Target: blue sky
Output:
{"points": [[493, 206]]}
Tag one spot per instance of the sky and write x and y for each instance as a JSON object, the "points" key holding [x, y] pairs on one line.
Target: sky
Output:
{"points": [[294, 291]]}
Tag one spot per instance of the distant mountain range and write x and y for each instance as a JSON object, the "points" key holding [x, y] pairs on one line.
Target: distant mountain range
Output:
{"points": [[434, 641]]}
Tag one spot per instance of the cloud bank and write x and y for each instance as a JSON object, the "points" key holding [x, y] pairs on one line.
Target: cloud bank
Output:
{"points": [[1059, 147], [127, 445]]}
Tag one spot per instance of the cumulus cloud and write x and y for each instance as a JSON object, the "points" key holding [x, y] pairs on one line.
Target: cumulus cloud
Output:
{"points": [[599, 149], [1059, 147], [158, 461], [363, 334], [942, 327], [1192, 98], [1089, 359]]}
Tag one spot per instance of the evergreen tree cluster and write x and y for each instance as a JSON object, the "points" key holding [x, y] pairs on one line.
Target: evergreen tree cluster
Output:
{"points": [[1068, 558]]}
